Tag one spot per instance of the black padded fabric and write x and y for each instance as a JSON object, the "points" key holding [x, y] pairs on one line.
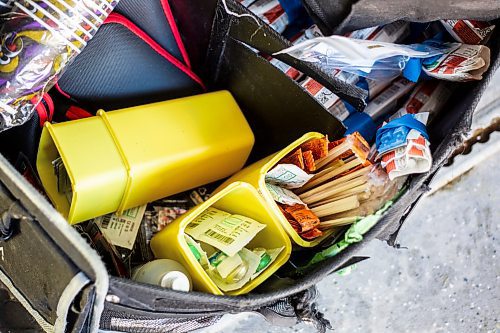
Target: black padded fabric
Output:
{"points": [[149, 16], [117, 69], [23, 139], [14, 316]]}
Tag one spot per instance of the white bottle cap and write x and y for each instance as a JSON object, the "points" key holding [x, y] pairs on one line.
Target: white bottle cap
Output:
{"points": [[176, 280]]}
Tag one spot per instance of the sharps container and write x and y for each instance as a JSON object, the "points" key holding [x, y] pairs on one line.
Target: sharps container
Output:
{"points": [[236, 198], [122, 159], [255, 174]]}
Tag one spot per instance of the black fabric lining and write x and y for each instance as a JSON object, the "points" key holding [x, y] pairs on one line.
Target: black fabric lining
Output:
{"points": [[149, 16], [117, 69], [265, 39]]}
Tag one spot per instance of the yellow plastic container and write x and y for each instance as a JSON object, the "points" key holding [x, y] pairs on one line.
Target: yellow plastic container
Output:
{"points": [[237, 198], [126, 158], [255, 175]]}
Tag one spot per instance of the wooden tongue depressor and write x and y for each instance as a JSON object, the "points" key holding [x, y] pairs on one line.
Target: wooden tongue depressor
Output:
{"points": [[334, 165], [333, 172], [353, 144], [337, 222], [338, 206], [335, 190], [361, 191], [348, 159], [333, 154], [336, 182]]}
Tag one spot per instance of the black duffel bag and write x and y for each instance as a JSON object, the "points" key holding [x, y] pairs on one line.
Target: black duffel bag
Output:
{"points": [[62, 282]]}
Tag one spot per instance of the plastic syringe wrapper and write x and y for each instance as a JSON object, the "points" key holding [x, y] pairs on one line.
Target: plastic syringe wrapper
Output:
{"points": [[290, 71], [367, 58], [405, 149], [390, 33], [39, 39]]}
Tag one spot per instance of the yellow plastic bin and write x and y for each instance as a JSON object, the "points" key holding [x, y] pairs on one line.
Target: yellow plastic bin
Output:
{"points": [[255, 174], [237, 198], [126, 158]]}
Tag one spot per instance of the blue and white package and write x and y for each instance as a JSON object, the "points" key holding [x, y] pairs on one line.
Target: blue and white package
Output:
{"points": [[394, 134], [379, 109], [403, 146]]}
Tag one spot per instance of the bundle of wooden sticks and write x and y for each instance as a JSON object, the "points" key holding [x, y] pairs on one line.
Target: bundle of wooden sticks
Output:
{"points": [[338, 194]]}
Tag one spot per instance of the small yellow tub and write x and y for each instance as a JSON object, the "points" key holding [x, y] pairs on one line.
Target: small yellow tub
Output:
{"points": [[126, 158], [237, 198], [255, 175]]}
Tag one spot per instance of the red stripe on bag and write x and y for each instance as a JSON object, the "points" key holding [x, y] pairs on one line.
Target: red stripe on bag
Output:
{"points": [[175, 31], [62, 92], [75, 112], [50, 105], [119, 19], [41, 110]]}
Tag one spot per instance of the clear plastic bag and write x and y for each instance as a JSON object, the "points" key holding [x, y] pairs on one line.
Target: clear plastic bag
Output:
{"points": [[38, 40], [367, 58]]}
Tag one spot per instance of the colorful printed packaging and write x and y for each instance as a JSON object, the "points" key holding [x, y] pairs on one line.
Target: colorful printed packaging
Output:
{"points": [[246, 3], [291, 72], [322, 94], [464, 63], [403, 146], [390, 33], [428, 97], [469, 31], [271, 12], [38, 40], [412, 158]]}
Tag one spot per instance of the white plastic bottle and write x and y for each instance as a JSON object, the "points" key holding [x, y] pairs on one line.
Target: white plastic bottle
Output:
{"points": [[165, 273]]}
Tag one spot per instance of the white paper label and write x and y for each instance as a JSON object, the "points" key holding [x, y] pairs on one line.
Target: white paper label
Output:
{"points": [[226, 232], [284, 196], [288, 176], [122, 230]]}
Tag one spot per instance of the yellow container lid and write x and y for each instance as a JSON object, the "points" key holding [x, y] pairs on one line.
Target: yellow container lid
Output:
{"points": [[126, 158]]}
